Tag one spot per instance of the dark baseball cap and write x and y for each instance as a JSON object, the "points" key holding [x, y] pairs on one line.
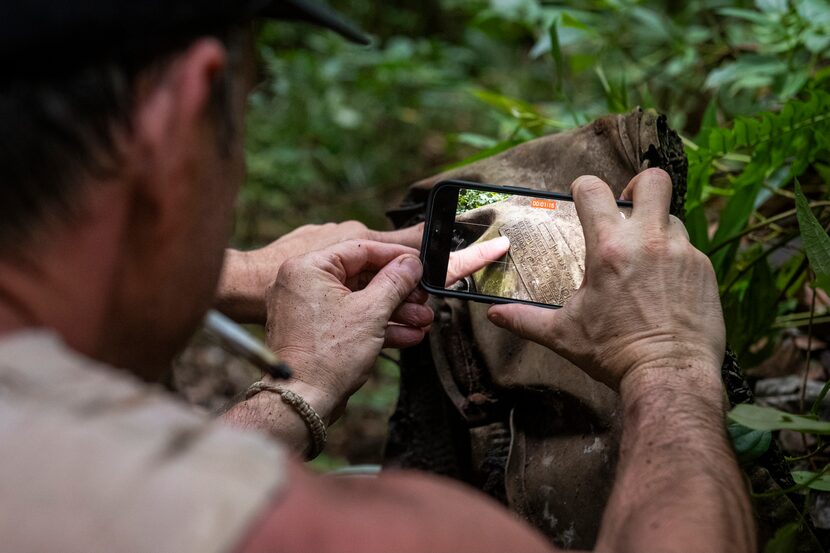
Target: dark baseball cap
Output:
{"points": [[317, 13], [37, 31]]}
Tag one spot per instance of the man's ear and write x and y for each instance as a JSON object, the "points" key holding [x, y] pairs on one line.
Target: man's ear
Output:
{"points": [[172, 126]]}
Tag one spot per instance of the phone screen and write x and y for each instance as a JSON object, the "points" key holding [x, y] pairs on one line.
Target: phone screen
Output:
{"points": [[520, 246]]}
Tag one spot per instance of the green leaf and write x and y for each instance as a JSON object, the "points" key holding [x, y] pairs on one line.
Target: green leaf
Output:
{"points": [[497, 149], [750, 304], [784, 539], [476, 140], [708, 122], [768, 418], [570, 21], [812, 480], [749, 444], [772, 6], [698, 227], [717, 144], [556, 53], [816, 242], [747, 15], [517, 109], [733, 219]]}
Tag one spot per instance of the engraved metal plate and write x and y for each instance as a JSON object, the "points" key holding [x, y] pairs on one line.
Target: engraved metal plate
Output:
{"points": [[548, 253]]}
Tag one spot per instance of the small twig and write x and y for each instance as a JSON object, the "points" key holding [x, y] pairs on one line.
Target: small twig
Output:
{"points": [[818, 450], [793, 323], [809, 351], [780, 244]]}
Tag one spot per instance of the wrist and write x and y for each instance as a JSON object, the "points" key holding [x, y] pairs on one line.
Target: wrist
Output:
{"points": [[323, 403], [333, 379], [240, 294], [690, 377]]}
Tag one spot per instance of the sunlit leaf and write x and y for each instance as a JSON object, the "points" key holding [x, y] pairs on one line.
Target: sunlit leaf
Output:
{"points": [[769, 418], [812, 480]]}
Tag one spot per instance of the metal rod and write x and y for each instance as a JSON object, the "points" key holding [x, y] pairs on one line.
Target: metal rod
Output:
{"points": [[241, 342]]}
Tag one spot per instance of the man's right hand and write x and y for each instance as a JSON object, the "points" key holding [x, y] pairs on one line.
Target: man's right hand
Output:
{"points": [[331, 311], [649, 298]]}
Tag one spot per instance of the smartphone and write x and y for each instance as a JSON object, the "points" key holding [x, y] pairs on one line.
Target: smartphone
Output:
{"points": [[503, 244]]}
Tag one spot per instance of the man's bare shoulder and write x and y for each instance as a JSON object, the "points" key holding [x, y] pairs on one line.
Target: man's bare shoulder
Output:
{"points": [[397, 511], [87, 447]]}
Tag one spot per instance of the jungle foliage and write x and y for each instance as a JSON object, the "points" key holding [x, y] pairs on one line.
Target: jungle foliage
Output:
{"points": [[338, 131], [472, 199]]}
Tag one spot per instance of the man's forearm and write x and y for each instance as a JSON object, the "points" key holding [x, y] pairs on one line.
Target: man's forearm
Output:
{"points": [[678, 486]]}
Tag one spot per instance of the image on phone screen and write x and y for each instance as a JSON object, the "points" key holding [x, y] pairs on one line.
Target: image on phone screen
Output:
{"points": [[544, 262]]}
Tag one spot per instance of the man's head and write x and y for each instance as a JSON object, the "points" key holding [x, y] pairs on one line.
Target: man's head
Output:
{"points": [[119, 165]]}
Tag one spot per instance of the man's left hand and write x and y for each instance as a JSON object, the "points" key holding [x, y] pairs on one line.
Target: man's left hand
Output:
{"points": [[246, 276]]}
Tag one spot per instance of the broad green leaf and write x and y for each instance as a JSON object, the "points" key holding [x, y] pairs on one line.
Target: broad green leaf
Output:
{"points": [[815, 239], [784, 539], [768, 418], [812, 480], [814, 11], [749, 444]]}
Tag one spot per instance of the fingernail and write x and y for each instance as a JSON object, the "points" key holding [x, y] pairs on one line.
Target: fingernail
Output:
{"points": [[495, 318], [503, 241], [410, 262]]}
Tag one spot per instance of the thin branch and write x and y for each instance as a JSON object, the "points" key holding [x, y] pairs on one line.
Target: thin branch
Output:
{"points": [[768, 222]]}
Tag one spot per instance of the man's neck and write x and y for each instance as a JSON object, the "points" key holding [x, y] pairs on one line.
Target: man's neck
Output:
{"points": [[13, 316], [64, 280], [34, 299]]}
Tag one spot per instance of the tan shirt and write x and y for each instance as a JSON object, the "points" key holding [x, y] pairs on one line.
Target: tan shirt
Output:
{"points": [[92, 460]]}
